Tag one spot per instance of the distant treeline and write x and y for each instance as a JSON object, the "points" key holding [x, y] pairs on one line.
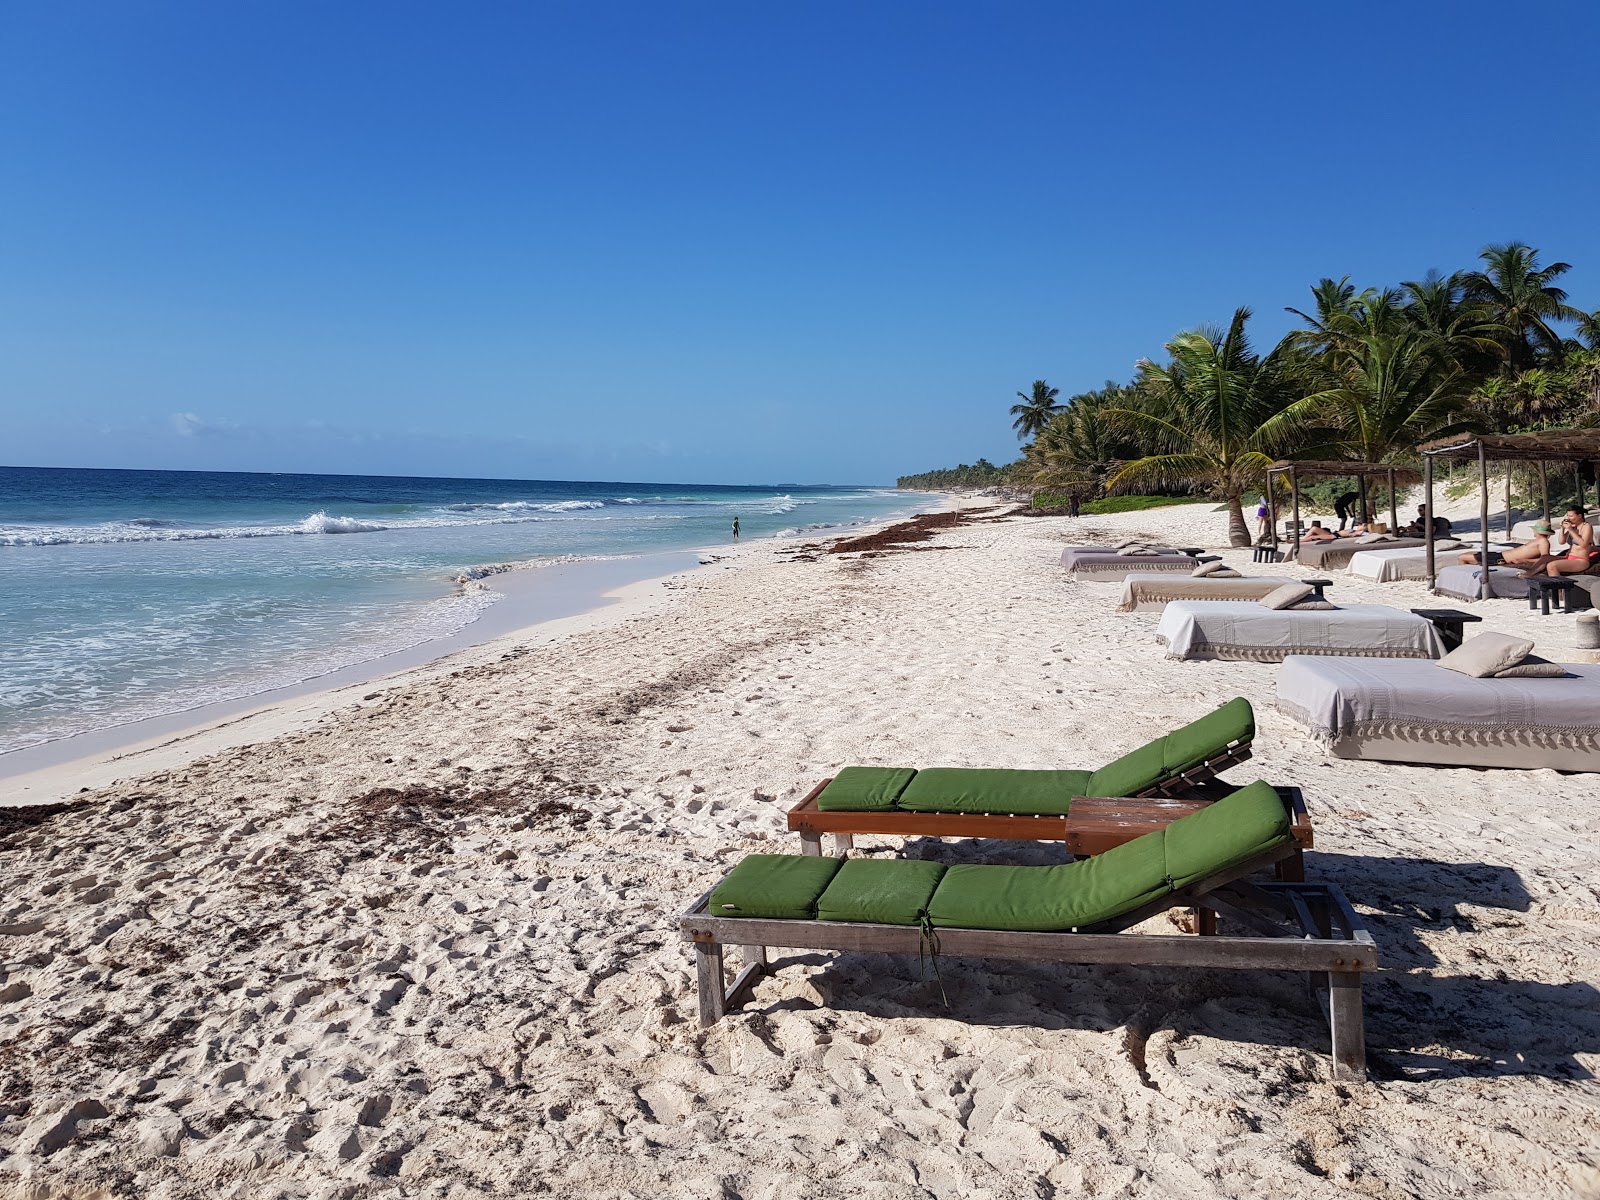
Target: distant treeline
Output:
{"points": [[1368, 376], [982, 473]]}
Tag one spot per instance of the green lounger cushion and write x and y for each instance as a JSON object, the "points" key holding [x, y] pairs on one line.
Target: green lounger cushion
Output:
{"points": [[864, 789], [1238, 827], [889, 891], [963, 790], [1045, 899], [1175, 752], [773, 885]]}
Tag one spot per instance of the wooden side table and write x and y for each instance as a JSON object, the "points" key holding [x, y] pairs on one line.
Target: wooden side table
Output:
{"points": [[1540, 587], [1317, 585], [1451, 623]]}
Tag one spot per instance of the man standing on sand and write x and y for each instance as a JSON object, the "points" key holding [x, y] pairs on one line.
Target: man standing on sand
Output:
{"points": [[736, 529]]}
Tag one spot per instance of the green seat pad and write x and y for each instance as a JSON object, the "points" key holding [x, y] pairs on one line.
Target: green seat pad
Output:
{"points": [[960, 790], [1175, 752], [888, 891], [773, 885], [1046, 899], [864, 789], [1250, 822]]}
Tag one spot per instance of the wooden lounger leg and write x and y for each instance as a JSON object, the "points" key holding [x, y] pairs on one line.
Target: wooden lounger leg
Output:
{"points": [[708, 977], [843, 842], [1344, 1018], [1205, 922], [811, 843], [1293, 868]]}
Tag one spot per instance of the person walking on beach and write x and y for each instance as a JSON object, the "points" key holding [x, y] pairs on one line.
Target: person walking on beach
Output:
{"points": [[736, 529], [1263, 522], [1344, 507]]}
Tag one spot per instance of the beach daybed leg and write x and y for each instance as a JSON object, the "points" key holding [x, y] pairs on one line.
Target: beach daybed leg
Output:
{"points": [[708, 979], [811, 843], [1292, 869], [843, 842], [1344, 1019]]}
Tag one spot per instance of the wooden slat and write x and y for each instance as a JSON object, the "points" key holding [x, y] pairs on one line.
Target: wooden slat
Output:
{"points": [[1093, 825]]}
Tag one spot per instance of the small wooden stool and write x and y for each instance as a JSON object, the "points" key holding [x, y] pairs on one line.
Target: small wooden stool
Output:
{"points": [[1540, 587]]}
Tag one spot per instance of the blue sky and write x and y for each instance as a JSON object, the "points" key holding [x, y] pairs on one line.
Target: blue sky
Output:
{"points": [[721, 242]]}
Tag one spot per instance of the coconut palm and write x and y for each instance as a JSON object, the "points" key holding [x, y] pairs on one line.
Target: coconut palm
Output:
{"points": [[1521, 300], [1215, 416], [1036, 409], [1079, 445], [1390, 392]]}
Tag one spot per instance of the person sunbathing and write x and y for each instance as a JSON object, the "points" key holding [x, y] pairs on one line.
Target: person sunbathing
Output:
{"points": [[1536, 551], [1578, 535], [1317, 533]]}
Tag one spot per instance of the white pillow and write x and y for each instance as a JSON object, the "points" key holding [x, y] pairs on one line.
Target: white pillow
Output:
{"points": [[1125, 543], [1211, 568], [1533, 667], [1287, 595], [1487, 654]]}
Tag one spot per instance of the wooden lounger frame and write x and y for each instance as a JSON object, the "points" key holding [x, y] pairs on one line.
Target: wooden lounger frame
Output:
{"points": [[1094, 824], [1296, 927]]}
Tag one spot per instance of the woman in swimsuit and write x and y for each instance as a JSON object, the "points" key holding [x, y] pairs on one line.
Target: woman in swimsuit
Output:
{"points": [[1579, 536], [1536, 551]]}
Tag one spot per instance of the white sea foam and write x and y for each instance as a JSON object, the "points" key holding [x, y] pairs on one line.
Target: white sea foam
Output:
{"points": [[321, 522]]}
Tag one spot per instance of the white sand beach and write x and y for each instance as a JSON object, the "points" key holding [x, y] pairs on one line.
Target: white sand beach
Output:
{"points": [[426, 946]]}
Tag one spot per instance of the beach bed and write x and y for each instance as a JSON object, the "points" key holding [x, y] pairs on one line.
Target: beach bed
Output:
{"points": [[1100, 564], [1329, 556], [1418, 712], [1386, 566], [1078, 912], [1242, 630], [1463, 582], [1142, 592]]}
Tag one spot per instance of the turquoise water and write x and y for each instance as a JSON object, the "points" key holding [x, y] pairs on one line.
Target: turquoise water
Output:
{"points": [[132, 594]]}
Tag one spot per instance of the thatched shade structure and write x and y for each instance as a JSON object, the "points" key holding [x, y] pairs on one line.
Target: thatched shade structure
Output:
{"points": [[1576, 446], [1295, 469]]}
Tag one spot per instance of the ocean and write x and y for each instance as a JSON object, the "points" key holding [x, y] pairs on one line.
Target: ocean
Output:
{"points": [[134, 594]]}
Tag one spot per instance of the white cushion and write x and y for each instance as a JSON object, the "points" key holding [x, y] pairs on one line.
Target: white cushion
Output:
{"points": [[1487, 654], [1287, 595]]}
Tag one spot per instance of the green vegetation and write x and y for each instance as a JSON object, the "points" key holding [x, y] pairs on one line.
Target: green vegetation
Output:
{"points": [[1116, 504], [1370, 376], [982, 473]]}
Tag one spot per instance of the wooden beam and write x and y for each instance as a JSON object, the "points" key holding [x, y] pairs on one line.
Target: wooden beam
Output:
{"points": [[1427, 516], [1483, 519]]}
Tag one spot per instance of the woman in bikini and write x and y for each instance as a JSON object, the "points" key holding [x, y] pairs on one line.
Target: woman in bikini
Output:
{"points": [[1579, 536]]}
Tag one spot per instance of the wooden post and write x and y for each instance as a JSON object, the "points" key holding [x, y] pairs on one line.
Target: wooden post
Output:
{"points": [[843, 842], [1483, 519], [1509, 469], [1205, 922], [1544, 491], [1427, 514], [708, 981], [1577, 481], [1272, 512], [1294, 491], [811, 843], [1394, 514], [1344, 1021]]}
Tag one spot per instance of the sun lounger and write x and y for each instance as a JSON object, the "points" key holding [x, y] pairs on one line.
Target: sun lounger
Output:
{"points": [[964, 802], [1152, 592], [1231, 629], [1330, 556], [1418, 712], [1462, 582], [1101, 564], [1386, 566], [1078, 912]]}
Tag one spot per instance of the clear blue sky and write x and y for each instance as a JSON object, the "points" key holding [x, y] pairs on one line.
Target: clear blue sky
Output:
{"points": [[715, 241]]}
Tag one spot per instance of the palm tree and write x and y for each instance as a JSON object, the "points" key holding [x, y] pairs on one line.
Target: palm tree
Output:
{"points": [[1078, 446], [1521, 300], [1392, 392], [1035, 411], [1215, 417]]}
